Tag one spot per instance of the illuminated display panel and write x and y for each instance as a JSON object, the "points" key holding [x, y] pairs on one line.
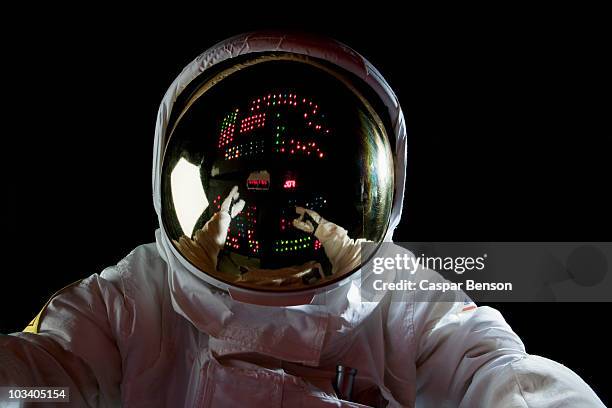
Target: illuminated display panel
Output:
{"points": [[293, 124], [280, 124], [258, 184], [252, 122], [252, 148], [242, 232], [227, 128]]}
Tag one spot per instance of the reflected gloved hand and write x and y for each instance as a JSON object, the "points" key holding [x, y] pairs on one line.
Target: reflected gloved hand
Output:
{"points": [[342, 251], [216, 228], [230, 205], [308, 221], [207, 242]]}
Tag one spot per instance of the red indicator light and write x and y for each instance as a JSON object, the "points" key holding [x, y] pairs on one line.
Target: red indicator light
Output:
{"points": [[289, 184]]}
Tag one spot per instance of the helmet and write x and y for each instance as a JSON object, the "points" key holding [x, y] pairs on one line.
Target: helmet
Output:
{"points": [[276, 167]]}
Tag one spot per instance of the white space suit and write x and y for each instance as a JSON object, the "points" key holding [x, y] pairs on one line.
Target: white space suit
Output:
{"points": [[148, 332]]}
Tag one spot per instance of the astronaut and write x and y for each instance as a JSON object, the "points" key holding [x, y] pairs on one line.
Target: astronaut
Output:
{"points": [[249, 296]]}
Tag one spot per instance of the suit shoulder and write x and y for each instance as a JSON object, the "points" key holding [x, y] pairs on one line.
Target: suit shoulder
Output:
{"points": [[142, 269]]}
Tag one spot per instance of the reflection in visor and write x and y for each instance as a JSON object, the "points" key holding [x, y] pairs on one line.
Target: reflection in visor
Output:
{"points": [[292, 158], [281, 110], [187, 194], [286, 126]]}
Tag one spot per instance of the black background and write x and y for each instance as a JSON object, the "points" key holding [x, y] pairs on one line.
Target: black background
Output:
{"points": [[506, 140]]}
